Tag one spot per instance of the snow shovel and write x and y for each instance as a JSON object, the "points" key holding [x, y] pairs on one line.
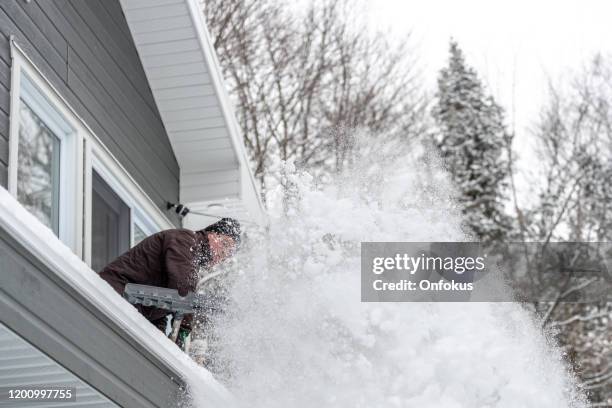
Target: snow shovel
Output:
{"points": [[165, 299]]}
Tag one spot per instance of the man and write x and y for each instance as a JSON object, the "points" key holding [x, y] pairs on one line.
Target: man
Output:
{"points": [[172, 259]]}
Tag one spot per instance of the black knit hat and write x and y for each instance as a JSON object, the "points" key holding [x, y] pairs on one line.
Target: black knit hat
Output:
{"points": [[226, 226]]}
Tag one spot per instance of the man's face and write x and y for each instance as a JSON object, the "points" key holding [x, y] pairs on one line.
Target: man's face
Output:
{"points": [[221, 246]]}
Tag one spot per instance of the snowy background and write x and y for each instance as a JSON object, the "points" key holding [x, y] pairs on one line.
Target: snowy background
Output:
{"points": [[513, 99]]}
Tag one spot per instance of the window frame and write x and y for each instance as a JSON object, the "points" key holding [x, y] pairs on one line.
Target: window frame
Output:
{"points": [[142, 210], [58, 143], [113, 176], [84, 153], [36, 92]]}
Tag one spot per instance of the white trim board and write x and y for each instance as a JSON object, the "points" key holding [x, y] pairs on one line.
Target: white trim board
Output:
{"points": [[185, 77]]}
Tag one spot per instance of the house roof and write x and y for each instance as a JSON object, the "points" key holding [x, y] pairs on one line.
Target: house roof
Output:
{"points": [[52, 299], [185, 77]]}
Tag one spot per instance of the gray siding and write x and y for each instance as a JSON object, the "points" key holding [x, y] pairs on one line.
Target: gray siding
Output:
{"points": [[64, 324], [84, 48], [5, 81]]}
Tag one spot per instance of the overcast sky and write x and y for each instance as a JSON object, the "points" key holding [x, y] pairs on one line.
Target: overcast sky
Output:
{"points": [[524, 39]]}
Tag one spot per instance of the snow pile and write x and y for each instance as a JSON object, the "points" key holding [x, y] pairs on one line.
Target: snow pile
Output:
{"points": [[297, 334]]}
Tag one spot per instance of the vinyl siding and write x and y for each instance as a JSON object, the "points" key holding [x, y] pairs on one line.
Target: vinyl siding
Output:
{"points": [[83, 47]]}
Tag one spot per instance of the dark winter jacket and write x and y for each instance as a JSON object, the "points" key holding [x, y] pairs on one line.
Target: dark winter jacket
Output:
{"points": [[169, 259]]}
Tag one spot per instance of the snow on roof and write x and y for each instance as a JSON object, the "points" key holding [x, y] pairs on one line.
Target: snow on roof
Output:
{"points": [[184, 75], [48, 249]]}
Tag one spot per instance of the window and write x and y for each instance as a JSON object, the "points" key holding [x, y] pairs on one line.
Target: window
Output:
{"points": [[139, 234], [38, 168], [110, 228], [118, 219], [43, 158], [65, 176], [142, 226]]}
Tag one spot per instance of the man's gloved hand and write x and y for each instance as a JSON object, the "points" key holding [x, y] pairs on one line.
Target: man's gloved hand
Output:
{"points": [[184, 331], [182, 336], [181, 339]]}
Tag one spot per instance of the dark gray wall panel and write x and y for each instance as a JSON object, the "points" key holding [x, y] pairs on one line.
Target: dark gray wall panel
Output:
{"points": [[113, 40], [5, 72], [3, 151], [40, 307], [42, 53], [53, 52], [85, 50], [104, 126], [5, 79], [32, 17], [5, 50], [3, 175], [4, 125], [5, 98], [5, 84], [148, 129], [116, 14]]}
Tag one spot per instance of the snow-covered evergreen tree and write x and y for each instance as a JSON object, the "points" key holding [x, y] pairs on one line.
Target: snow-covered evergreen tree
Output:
{"points": [[471, 140]]}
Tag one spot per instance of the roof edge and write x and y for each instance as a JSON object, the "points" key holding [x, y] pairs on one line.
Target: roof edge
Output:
{"points": [[214, 68]]}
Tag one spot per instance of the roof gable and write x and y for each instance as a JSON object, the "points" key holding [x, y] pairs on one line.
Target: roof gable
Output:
{"points": [[184, 75]]}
